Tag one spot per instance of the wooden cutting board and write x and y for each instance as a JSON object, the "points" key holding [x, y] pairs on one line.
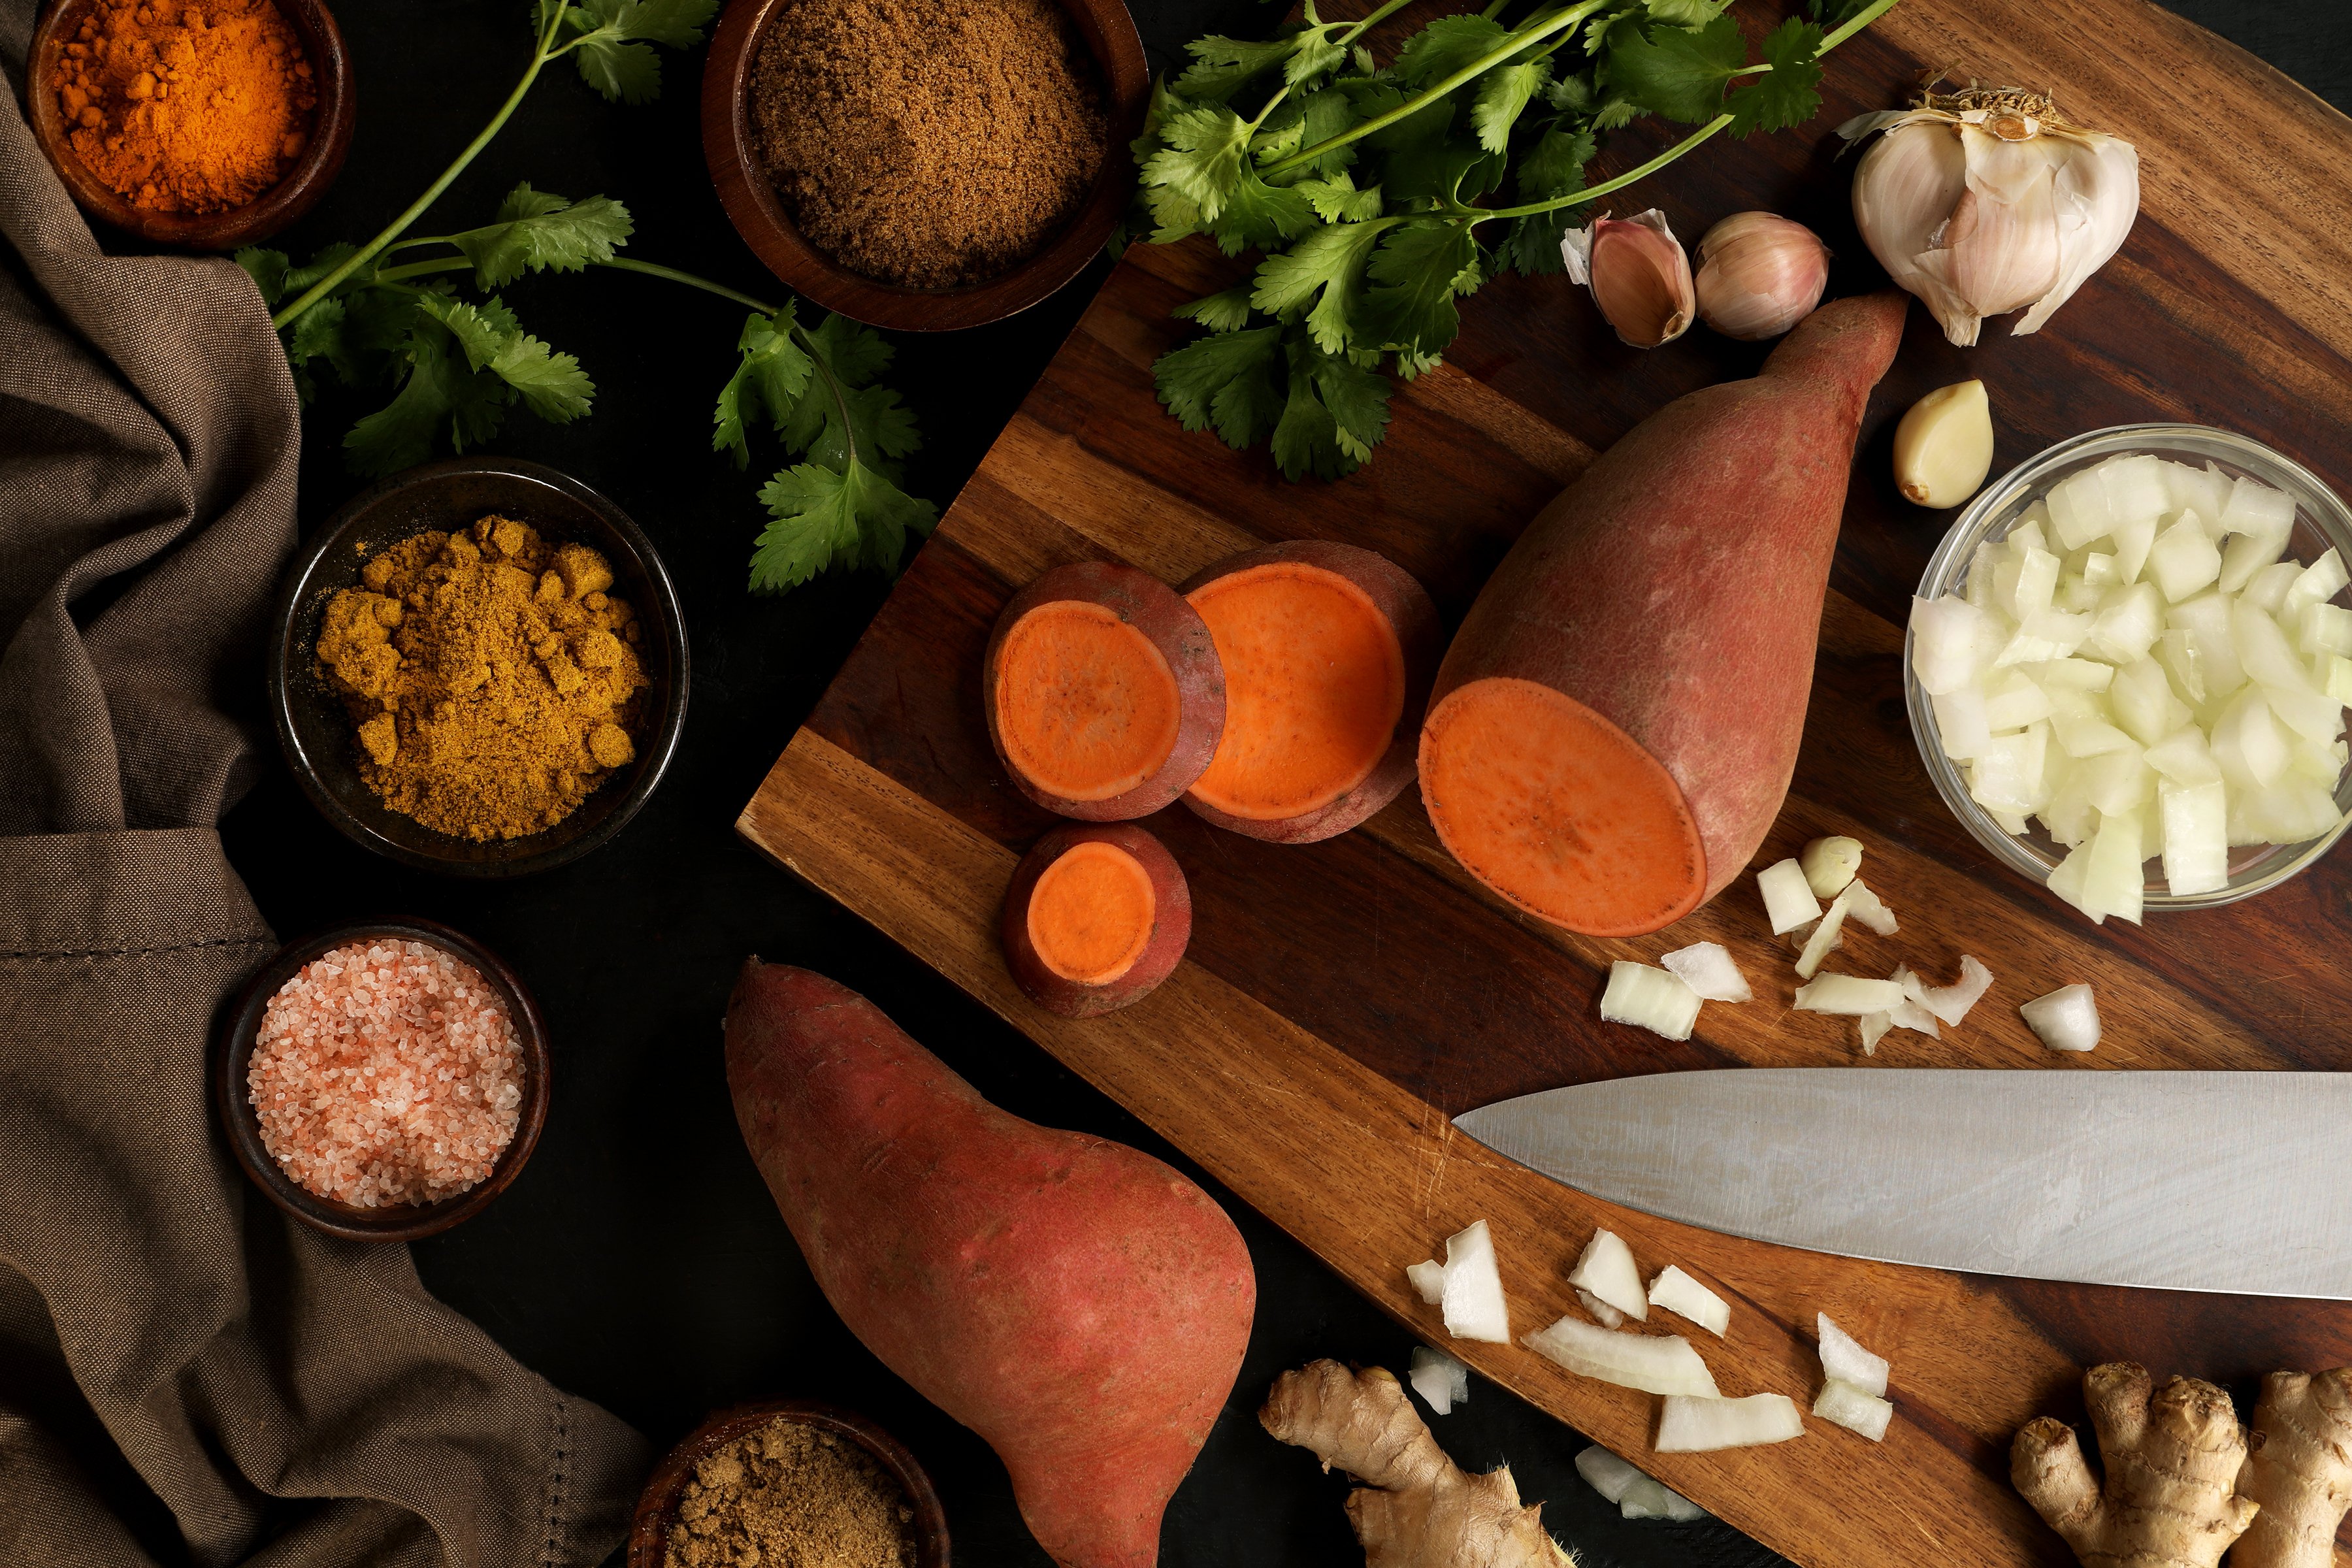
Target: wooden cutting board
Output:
{"points": [[1342, 1000]]}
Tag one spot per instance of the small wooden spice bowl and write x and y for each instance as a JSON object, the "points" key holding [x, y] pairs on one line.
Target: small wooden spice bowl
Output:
{"points": [[658, 1504], [314, 729], [314, 169], [759, 215], [396, 1222]]}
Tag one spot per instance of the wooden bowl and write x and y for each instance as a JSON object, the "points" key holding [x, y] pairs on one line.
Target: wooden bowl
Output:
{"points": [[397, 1222], [759, 215], [280, 205], [314, 729], [658, 1504]]}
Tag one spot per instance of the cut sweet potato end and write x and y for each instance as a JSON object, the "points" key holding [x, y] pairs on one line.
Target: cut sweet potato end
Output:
{"points": [[1087, 708], [1559, 810], [1090, 915], [1314, 686]]}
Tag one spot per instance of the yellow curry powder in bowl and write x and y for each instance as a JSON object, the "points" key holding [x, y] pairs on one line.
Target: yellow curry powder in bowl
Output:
{"points": [[492, 677]]}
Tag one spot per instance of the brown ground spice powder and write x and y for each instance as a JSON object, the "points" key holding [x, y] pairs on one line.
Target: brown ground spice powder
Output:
{"points": [[790, 1496], [928, 143], [493, 678]]}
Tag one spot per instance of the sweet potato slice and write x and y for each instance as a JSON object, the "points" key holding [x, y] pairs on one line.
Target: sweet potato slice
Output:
{"points": [[1327, 651], [1103, 692], [1096, 918], [1615, 726]]}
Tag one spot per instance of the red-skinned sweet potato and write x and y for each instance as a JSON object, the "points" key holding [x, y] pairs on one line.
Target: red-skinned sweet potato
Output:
{"points": [[1080, 1305], [1103, 692], [1329, 651], [1616, 723], [1097, 916]]}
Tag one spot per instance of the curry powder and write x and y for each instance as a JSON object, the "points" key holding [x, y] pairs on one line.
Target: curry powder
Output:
{"points": [[493, 677]]}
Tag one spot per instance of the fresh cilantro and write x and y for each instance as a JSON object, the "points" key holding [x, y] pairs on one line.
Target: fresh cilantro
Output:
{"points": [[1226, 380], [1337, 199], [1330, 262], [773, 375], [1333, 414], [1446, 46], [1222, 312], [1554, 168], [267, 268], [1503, 95], [611, 41], [822, 517], [1788, 94], [1221, 67], [1694, 12], [536, 230], [1676, 72], [1201, 161], [1256, 214], [1416, 273]]}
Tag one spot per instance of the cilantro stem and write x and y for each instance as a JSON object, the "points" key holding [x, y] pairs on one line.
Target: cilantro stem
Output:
{"points": [[1608, 187], [325, 286], [1532, 32], [1350, 33]]}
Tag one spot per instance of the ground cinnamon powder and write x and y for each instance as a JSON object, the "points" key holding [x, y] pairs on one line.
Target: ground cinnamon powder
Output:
{"points": [[792, 1495], [492, 677], [928, 143], [186, 109]]}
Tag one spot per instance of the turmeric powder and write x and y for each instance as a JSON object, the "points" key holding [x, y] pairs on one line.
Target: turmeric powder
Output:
{"points": [[186, 109], [492, 677]]}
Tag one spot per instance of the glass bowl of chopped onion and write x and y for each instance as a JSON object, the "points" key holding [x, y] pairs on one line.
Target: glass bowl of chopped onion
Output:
{"points": [[2127, 664]]}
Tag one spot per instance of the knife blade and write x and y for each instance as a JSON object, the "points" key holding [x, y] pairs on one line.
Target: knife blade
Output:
{"points": [[2235, 1182]]}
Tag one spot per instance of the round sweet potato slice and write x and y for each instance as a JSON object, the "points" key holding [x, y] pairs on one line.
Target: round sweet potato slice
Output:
{"points": [[1103, 692], [1097, 916], [1329, 651]]}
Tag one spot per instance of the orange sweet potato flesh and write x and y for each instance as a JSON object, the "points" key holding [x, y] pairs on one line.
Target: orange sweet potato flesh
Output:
{"points": [[1097, 916], [1615, 725], [1080, 1305]]}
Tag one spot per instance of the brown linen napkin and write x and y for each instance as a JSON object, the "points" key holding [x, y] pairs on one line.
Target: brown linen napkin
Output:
{"points": [[185, 1374]]}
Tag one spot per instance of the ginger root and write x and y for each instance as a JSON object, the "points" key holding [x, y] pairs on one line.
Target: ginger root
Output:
{"points": [[2172, 1456], [1416, 1508], [2300, 1471]]}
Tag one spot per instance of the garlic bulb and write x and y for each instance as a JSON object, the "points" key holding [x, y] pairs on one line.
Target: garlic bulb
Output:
{"points": [[1989, 201], [1639, 276], [1759, 275]]}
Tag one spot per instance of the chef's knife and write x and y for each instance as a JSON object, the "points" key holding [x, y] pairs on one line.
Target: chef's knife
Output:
{"points": [[2187, 1180]]}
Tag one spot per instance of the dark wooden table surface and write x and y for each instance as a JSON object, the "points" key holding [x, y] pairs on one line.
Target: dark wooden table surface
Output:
{"points": [[639, 1260]]}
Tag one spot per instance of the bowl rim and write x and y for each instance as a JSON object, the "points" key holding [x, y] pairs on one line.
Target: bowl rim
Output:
{"points": [[298, 190], [1998, 501], [660, 748], [752, 207], [241, 1024], [656, 1506]]}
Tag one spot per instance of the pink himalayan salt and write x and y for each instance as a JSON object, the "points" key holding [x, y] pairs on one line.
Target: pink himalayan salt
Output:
{"points": [[386, 1072]]}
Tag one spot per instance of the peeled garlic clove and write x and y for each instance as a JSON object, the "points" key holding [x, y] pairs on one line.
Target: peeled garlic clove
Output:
{"points": [[1759, 275], [1638, 274], [1943, 448]]}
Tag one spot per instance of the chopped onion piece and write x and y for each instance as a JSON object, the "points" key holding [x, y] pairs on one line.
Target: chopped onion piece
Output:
{"points": [[1843, 1358], [2316, 583], [1470, 1286], [1951, 642], [1789, 901], [1428, 1278], [1654, 1364], [1825, 935], [1875, 1026], [1607, 1315], [1831, 863], [1442, 1381], [1648, 1499], [1950, 1004], [1871, 910], [1685, 1297], [1607, 1270], [1605, 1473], [1697, 1424], [1650, 998], [1847, 995], [2067, 1019], [1708, 969], [2196, 836], [1855, 1409]]}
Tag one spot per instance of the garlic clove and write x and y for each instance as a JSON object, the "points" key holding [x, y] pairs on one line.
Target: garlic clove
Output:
{"points": [[1638, 274], [1759, 275], [1904, 191], [2000, 249], [1943, 448]]}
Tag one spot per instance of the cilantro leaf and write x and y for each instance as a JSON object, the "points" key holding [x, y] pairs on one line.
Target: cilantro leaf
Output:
{"points": [[1258, 213], [1337, 200], [1227, 311], [1331, 261], [1221, 67], [267, 268], [1552, 169], [1503, 95], [318, 333], [822, 517], [1424, 159], [436, 394], [1314, 53], [773, 374], [536, 230], [613, 38], [493, 341], [1332, 416], [1788, 94], [1675, 71], [1326, 113], [1416, 272], [1694, 12], [841, 418], [1446, 46], [1225, 380], [1202, 159]]}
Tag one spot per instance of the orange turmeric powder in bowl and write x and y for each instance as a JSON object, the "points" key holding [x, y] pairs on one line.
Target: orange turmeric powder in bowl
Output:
{"points": [[188, 109]]}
